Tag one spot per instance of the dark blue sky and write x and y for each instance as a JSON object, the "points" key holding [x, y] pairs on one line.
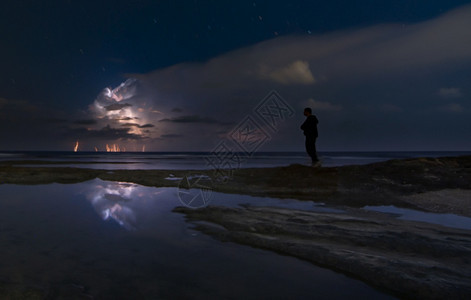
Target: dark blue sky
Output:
{"points": [[72, 44], [59, 55]]}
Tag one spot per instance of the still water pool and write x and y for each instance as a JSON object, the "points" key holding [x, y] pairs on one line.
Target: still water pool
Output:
{"points": [[109, 240]]}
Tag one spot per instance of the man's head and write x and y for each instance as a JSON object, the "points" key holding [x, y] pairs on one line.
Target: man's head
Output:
{"points": [[307, 111]]}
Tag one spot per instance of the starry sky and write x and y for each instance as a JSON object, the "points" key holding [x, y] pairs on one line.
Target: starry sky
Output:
{"points": [[184, 75]]}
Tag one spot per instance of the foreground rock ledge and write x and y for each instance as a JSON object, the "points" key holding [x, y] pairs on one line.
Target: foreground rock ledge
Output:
{"points": [[408, 259]]}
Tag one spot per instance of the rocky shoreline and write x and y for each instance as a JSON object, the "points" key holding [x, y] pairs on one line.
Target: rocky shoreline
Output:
{"points": [[405, 258], [429, 184]]}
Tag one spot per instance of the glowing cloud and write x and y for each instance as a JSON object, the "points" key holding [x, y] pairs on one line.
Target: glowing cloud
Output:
{"points": [[297, 72], [124, 111]]}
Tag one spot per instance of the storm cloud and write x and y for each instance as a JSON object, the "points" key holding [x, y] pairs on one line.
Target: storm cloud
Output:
{"points": [[401, 86], [116, 106], [194, 119], [382, 77], [137, 125], [106, 133]]}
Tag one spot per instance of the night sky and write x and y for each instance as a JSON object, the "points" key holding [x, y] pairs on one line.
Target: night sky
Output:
{"points": [[182, 75]]}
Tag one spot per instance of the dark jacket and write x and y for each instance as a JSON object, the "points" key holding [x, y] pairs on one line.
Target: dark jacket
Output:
{"points": [[310, 126]]}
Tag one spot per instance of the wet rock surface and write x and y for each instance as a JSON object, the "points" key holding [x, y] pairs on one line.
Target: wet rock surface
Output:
{"points": [[408, 259]]}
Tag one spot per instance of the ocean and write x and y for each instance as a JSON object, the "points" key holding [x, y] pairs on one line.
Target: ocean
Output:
{"points": [[207, 160]]}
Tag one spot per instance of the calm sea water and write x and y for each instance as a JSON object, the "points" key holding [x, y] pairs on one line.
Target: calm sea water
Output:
{"points": [[204, 160]]}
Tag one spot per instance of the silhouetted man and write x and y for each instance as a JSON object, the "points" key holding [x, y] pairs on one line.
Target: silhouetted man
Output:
{"points": [[310, 131]]}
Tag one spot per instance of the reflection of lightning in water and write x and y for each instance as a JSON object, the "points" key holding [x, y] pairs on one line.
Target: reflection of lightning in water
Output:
{"points": [[111, 201], [128, 204]]}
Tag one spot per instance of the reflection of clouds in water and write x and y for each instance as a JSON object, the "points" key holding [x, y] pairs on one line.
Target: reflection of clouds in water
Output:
{"points": [[123, 215], [118, 201], [137, 207]]}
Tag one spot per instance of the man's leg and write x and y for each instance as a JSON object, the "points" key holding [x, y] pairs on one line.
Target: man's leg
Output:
{"points": [[311, 149]]}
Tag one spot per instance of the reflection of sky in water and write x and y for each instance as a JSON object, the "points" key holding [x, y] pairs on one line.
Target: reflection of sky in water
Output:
{"points": [[117, 200], [53, 237], [116, 240], [134, 206]]}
